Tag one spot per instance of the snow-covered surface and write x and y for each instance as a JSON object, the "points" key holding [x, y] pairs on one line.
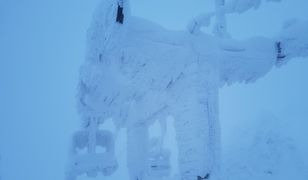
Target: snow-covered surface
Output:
{"points": [[43, 123], [266, 152], [246, 61], [222, 9], [293, 38], [240, 6], [138, 72]]}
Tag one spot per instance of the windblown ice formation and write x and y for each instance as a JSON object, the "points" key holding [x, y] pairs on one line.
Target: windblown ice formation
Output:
{"points": [[137, 72]]}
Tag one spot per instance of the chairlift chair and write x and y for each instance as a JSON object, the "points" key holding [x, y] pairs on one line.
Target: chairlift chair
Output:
{"points": [[159, 165], [159, 159], [86, 159]]}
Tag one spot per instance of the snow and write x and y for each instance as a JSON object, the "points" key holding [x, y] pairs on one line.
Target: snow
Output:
{"points": [[294, 38], [99, 155], [240, 6], [123, 78], [35, 123], [220, 28], [265, 152], [246, 61], [202, 20], [155, 79], [223, 8]]}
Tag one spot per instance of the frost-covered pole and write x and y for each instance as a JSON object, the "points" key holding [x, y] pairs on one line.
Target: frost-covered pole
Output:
{"points": [[221, 25], [92, 127]]}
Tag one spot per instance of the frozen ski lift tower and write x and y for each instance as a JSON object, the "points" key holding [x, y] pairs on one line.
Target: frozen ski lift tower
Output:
{"points": [[137, 72], [92, 151]]}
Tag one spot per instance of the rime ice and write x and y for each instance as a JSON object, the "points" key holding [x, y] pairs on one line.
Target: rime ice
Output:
{"points": [[137, 72]]}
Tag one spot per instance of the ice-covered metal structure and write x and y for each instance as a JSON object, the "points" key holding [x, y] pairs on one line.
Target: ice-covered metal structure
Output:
{"points": [[137, 72]]}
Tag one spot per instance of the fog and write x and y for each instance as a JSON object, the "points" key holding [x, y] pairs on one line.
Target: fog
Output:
{"points": [[42, 44]]}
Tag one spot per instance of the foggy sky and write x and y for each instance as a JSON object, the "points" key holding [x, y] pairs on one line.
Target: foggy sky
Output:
{"points": [[42, 45]]}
